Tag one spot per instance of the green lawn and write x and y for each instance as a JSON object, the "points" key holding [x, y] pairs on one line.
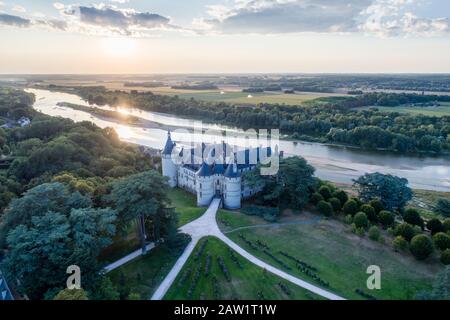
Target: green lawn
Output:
{"points": [[144, 274], [185, 205], [340, 257], [248, 282], [442, 110]]}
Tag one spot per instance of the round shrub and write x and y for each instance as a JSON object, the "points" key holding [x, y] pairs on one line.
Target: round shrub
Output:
{"points": [[369, 211], [360, 220], [421, 247], [446, 225], [400, 244], [351, 207], [405, 230], [377, 205], [435, 225], [445, 257], [348, 219], [386, 218], [316, 198], [341, 195], [412, 216], [374, 233], [335, 203], [325, 192], [441, 241], [325, 208]]}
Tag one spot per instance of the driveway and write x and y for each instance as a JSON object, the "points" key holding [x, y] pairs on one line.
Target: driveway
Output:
{"points": [[206, 225]]}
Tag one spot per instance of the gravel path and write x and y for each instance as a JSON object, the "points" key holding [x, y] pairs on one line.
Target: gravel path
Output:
{"points": [[206, 225]]}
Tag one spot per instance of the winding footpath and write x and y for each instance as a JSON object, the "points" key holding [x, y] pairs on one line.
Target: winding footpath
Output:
{"points": [[206, 225]]}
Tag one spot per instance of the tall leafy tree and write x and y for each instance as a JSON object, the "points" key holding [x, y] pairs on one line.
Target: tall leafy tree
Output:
{"points": [[290, 187], [40, 252], [392, 191], [143, 197]]}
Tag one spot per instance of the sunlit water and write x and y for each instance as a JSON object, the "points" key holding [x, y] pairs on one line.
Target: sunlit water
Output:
{"points": [[334, 163]]}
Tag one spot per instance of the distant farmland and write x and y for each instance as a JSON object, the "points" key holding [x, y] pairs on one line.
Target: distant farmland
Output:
{"points": [[229, 94], [440, 111]]}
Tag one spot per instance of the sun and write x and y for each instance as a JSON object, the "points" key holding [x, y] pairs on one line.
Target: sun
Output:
{"points": [[118, 46]]}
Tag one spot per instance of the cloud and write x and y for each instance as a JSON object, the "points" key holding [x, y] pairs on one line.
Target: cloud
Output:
{"points": [[15, 21], [19, 9], [104, 19], [380, 17], [393, 18], [286, 16]]}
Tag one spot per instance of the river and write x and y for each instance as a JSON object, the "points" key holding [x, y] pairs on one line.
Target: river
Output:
{"points": [[334, 163]]}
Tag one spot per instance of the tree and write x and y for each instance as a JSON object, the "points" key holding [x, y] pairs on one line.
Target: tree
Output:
{"points": [[360, 220], [392, 191], [335, 203], [443, 207], [40, 252], [143, 197], [405, 230], [421, 246], [400, 244], [284, 189], [386, 218], [445, 257], [38, 201], [369, 211], [341, 195], [316, 198], [351, 207], [134, 296], [435, 225], [446, 225], [441, 241], [325, 192], [412, 216], [377, 205], [71, 294], [374, 233], [325, 208], [105, 291]]}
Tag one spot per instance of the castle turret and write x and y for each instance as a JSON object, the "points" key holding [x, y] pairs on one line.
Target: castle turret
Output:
{"points": [[205, 185], [169, 168], [232, 191]]}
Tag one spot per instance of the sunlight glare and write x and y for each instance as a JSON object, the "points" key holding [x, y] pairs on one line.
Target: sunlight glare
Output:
{"points": [[118, 46]]}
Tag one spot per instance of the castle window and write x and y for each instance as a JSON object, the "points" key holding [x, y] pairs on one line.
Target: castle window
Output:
{"points": [[200, 185]]}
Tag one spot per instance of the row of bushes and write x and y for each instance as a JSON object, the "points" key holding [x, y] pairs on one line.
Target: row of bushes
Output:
{"points": [[366, 216]]}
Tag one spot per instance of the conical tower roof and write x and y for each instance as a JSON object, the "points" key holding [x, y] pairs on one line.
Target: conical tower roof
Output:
{"points": [[169, 145]]}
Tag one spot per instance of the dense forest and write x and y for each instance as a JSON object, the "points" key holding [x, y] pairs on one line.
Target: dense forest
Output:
{"points": [[333, 120], [62, 200]]}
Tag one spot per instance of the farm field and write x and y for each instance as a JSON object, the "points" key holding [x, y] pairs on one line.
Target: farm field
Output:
{"points": [[244, 280], [339, 256], [442, 110], [231, 95]]}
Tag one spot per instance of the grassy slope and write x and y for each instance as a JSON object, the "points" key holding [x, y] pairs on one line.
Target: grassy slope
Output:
{"points": [[340, 256], [185, 206], [245, 283], [143, 275]]}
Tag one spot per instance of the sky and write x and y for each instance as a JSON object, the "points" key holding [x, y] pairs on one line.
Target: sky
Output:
{"points": [[224, 36]]}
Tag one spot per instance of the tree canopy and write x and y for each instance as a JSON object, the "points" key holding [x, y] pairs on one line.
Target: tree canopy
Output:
{"points": [[392, 191]]}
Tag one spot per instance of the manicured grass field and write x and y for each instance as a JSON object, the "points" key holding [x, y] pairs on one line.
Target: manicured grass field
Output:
{"points": [[248, 282], [185, 205], [443, 110], [340, 257], [143, 275]]}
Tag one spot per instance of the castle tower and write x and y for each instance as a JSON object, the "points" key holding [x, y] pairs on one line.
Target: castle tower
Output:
{"points": [[205, 185], [169, 169], [232, 191]]}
